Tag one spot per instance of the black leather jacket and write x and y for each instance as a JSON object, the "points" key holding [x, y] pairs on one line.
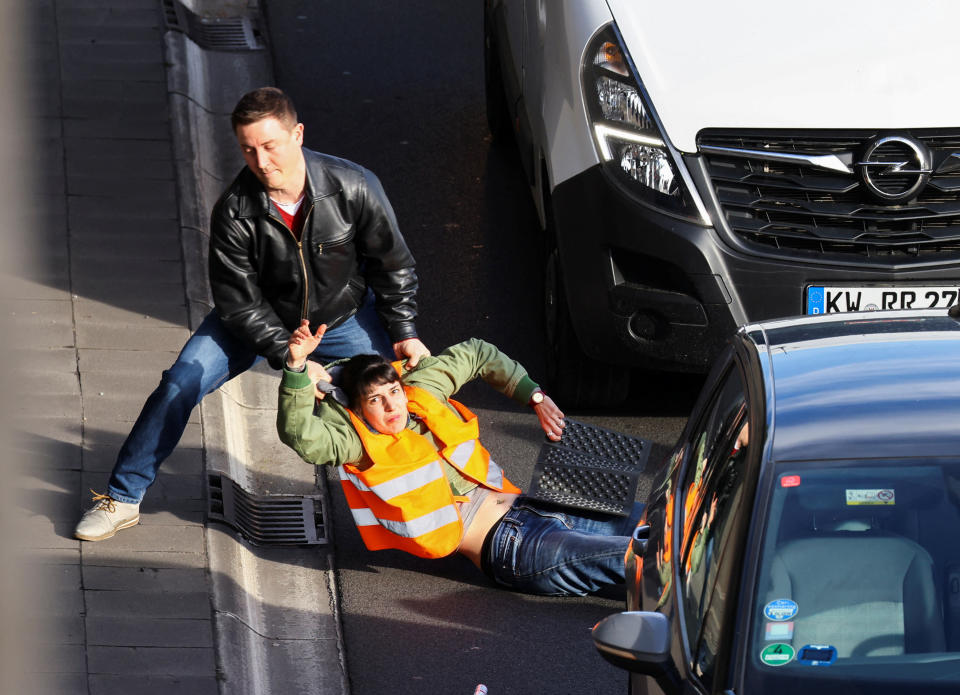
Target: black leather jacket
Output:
{"points": [[264, 282]]}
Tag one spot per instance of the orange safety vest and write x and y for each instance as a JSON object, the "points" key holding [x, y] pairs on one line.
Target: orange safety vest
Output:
{"points": [[403, 500]]}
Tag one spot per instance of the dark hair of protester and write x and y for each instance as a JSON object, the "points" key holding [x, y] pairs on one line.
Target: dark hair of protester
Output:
{"points": [[361, 372], [265, 102]]}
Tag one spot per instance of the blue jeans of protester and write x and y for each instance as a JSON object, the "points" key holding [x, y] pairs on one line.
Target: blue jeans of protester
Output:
{"points": [[539, 548], [211, 357]]}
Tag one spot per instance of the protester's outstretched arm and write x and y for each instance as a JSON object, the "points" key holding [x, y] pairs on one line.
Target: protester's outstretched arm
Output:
{"points": [[473, 358], [551, 418], [320, 434], [301, 345]]}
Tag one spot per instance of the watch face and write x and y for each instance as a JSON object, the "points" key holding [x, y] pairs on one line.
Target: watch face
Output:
{"points": [[537, 397]]}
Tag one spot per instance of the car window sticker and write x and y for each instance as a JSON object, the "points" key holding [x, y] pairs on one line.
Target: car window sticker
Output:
{"points": [[781, 609], [778, 631], [777, 654], [871, 497], [817, 655], [790, 481]]}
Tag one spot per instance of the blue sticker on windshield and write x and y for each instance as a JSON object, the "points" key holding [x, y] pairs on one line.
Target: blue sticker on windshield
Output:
{"points": [[781, 609], [817, 655]]}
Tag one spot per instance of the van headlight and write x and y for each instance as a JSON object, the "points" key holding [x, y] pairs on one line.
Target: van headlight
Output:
{"points": [[627, 135]]}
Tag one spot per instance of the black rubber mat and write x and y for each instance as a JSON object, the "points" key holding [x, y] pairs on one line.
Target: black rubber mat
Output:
{"points": [[590, 468]]}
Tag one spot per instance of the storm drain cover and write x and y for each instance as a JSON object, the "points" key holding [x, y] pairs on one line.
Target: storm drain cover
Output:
{"points": [[590, 468], [267, 519], [214, 33]]}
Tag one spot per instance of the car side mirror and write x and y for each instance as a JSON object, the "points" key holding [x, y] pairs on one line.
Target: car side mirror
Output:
{"points": [[638, 641]]}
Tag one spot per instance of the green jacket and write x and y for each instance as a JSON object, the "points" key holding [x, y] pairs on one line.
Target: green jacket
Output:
{"points": [[323, 434]]}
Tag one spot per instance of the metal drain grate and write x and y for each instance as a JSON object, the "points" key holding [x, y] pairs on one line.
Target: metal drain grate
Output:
{"points": [[214, 33], [267, 519], [590, 468]]}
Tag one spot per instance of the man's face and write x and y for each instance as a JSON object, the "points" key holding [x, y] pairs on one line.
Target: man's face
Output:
{"points": [[273, 152], [385, 408]]}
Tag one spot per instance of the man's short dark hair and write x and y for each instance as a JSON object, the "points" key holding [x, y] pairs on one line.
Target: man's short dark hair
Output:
{"points": [[265, 102], [361, 373]]}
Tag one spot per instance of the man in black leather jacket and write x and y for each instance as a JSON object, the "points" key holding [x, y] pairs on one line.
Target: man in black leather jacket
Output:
{"points": [[298, 238]]}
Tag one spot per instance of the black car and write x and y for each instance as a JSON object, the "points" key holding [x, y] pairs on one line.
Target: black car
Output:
{"points": [[803, 535]]}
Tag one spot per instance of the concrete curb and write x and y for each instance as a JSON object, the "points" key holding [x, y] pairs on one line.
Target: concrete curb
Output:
{"points": [[276, 610]]}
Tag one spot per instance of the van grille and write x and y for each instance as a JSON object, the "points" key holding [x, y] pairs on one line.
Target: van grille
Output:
{"points": [[805, 211]]}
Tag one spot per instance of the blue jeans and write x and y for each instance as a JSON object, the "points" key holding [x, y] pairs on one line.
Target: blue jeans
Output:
{"points": [[211, 357], [539, 548]]}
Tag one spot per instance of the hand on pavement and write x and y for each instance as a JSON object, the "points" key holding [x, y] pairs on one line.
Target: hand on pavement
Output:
{"points": [[411, 348], [551, 418]]}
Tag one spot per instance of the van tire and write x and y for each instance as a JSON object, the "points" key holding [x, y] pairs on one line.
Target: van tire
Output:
{"points": [[498, 116], [574, 379]]}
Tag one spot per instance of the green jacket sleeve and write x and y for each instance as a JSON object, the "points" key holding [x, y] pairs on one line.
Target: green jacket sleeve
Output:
{"points": [[446, 373], [326, 437]]}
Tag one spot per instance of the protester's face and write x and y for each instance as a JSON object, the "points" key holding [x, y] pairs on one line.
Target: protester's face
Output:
{"points": [[273, 152], [385, 408]]}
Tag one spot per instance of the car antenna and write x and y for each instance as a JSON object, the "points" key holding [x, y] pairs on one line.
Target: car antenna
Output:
{"points": [[954, 311]]}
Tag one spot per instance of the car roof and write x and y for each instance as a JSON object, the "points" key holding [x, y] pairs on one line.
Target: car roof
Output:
{"points": [[861, 386]]}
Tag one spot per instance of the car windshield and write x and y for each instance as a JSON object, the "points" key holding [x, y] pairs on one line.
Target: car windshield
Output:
{"points": [[859, 583]]}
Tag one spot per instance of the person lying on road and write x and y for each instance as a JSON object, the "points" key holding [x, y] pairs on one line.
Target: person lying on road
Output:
{"points": [[417, 478]]}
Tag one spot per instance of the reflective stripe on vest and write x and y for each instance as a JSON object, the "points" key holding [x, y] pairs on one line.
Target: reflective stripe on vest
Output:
{"points": [[405, 483], [404, 500], [411, 528], [460, 457]]}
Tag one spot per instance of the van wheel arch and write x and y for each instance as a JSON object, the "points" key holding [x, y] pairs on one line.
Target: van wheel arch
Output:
{"points": [[574, 379]]}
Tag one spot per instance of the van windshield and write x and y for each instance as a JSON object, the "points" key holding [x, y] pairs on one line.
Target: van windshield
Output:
{"points": [[859, 582]]}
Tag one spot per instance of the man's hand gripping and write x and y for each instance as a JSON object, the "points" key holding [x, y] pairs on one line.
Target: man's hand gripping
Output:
{"points": [[411, 348]]}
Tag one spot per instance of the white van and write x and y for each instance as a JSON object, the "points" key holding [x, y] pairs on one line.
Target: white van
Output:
{"points": [[702, 165]]}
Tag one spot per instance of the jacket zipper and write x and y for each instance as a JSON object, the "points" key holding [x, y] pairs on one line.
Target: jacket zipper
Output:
{"points": [[303, 263]]}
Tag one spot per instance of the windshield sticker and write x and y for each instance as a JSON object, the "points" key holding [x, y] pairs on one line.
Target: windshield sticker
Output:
{"points": [[777, 654], [817, 655], [778, 631], [790, 481], [871, 497], [780, 609]]}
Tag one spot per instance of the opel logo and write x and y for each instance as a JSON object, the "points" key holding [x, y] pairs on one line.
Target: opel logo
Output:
{"points": [[895, 167]]}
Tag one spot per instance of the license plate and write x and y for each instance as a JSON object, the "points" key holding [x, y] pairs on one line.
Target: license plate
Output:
{"points": [[836, 300]]}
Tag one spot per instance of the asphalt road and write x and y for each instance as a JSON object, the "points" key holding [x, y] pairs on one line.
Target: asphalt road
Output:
{"points": [[398, 87]]}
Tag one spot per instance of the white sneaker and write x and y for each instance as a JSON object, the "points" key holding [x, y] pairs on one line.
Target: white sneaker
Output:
{"points": [[105, 518]]}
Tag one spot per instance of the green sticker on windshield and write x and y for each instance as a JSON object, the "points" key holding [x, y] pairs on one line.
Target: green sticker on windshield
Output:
{"points": [[777, 654]]}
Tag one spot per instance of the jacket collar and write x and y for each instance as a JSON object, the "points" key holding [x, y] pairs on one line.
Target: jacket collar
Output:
{"points": [[252, 198]]}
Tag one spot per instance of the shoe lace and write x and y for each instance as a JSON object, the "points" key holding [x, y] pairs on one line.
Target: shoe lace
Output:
{"points": [[104, 502]]}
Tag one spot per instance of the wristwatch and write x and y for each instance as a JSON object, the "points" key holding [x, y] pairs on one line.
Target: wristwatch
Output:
{"points": [[536, 398]]}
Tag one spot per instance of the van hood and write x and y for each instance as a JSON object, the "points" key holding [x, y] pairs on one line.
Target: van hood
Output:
{"points": [[762, 64]]}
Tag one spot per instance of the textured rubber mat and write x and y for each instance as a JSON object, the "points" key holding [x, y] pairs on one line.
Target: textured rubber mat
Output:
{"points": [[591, 468]]}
